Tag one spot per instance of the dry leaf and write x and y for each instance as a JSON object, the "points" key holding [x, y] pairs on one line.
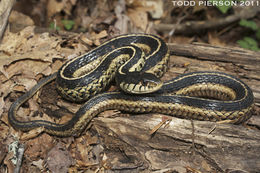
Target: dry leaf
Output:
{"points": [[4, 128], [38, 164], [214, 39], [8, 162], [59, 159], [155, 8], [86, 40], [54, 7], [32, 133], [27, 46], [97, 37], [139, 17], [15, 17], [122, 19], [38, 147]]}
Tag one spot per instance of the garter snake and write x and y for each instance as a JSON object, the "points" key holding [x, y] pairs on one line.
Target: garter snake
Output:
{"points": [[136, 62]]}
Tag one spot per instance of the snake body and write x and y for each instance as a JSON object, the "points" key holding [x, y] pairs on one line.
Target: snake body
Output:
{"points": [[136, 61]]}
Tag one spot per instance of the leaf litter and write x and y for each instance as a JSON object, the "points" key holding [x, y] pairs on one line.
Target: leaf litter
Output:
{"points": [[25, 58]]}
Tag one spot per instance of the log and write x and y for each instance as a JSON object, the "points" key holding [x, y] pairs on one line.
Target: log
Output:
{"points": [[208, 147], [187, 145]]}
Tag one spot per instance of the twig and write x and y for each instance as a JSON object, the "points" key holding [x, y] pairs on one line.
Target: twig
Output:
{"points": [[19, 158]]}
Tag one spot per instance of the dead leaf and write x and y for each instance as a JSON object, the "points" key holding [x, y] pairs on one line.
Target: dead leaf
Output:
{"points": [[155, 8], [15, 17], [38, 147], [86, 150], [3, 151], [38, 164], [28, 83], [86, 40], [54, 7], [6, 88], [32, 133], [139, 17], [97, 37], [8, 162], [58, 159], [122, 19], [27, 46], [72, 107], [5, 130], [214, 39], [19, 88]]}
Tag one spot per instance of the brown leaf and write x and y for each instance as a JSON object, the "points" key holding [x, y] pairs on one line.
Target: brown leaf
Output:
{"points": [[59, 159], [5, 130], [38, 147], [54, 7], [155, 8], [32, 133], [139, 17], [15, 17], [97, 37], [38, 163], [122, 19], [215, 40], [27, 46]]}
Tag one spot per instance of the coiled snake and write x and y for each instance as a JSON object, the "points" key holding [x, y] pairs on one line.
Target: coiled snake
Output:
{"points": [[136, 62]]}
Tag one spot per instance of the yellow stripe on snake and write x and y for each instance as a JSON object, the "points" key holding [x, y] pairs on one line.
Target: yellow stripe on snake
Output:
{"points": [[136, 62]]}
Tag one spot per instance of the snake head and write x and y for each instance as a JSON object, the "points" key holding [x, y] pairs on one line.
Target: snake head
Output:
{"points": [[139, 83]]}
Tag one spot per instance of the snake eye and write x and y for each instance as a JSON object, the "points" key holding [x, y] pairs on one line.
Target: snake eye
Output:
{"points": [[148, 83], [143, 82]]}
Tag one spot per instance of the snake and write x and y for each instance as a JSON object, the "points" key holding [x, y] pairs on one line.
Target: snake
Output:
{"points": [[135, 63]]}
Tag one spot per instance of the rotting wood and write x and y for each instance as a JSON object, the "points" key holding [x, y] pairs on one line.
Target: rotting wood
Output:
{"points": [[217, 53], [219, 147]]}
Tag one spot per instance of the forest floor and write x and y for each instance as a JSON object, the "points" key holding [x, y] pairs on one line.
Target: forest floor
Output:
{"points": [[43, 34]]}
